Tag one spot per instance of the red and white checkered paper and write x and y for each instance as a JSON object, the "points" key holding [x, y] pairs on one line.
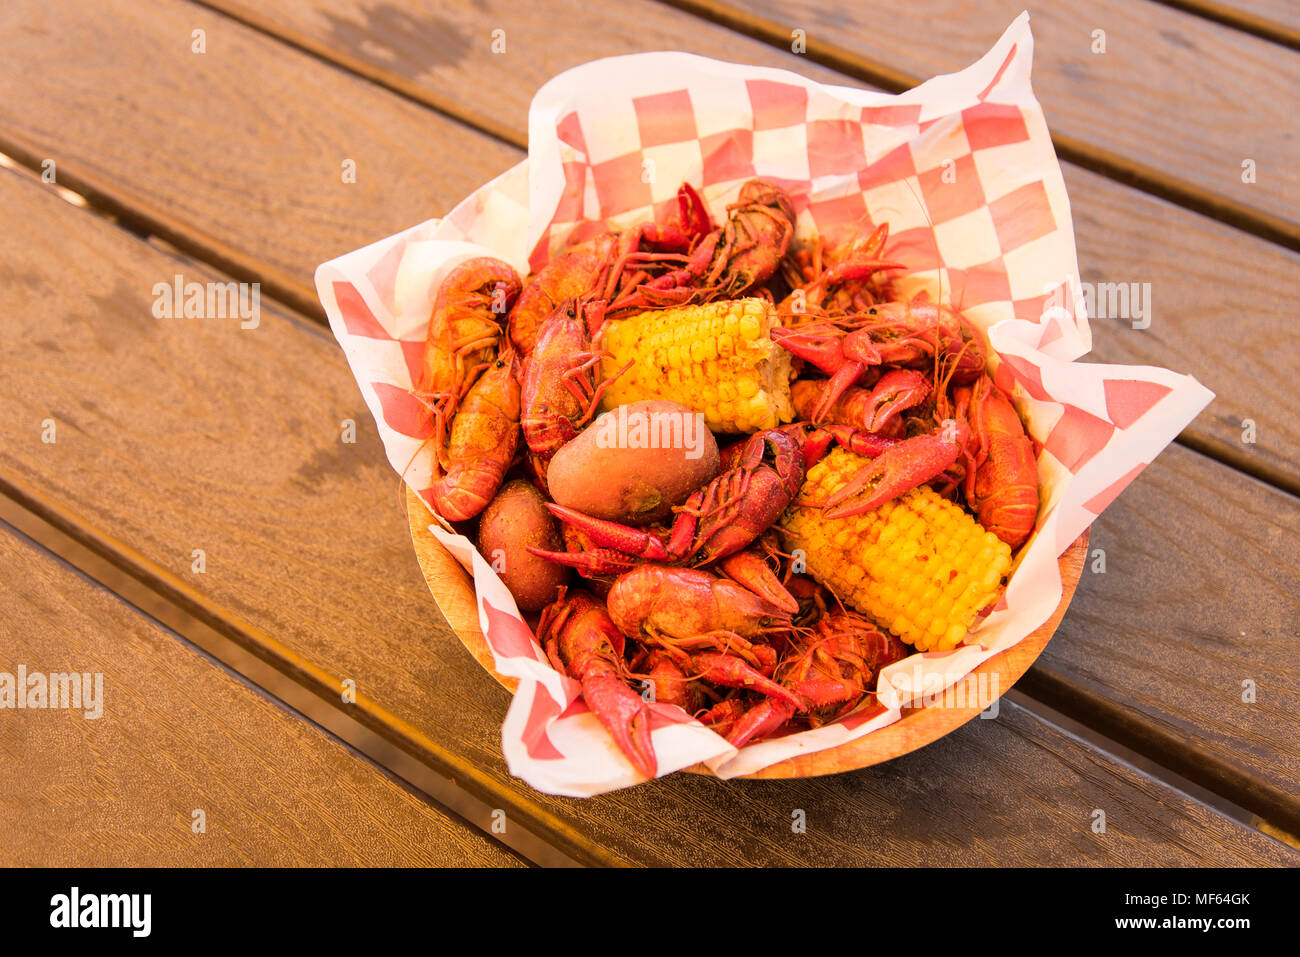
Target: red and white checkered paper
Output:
{"points": [[964, 171]]}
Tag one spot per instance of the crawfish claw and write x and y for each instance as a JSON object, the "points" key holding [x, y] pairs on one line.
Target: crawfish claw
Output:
{"points": [[748, 569], [732, 672], [760, 721], [897, 470], [626, 715]]}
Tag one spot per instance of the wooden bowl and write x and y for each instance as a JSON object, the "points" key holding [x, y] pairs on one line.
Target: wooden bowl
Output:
{"points": [[453, 590]]}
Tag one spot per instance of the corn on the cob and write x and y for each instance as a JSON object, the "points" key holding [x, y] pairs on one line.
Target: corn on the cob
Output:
{"points": [[717, 359], [919, 565]]}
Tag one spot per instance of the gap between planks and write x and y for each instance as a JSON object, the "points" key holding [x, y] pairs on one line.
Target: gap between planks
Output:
{"points": [[1241, 20], [400, 750]]}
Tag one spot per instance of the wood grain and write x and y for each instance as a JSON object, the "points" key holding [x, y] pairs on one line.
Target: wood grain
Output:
{"points": [[1276, 20], [440, 54], [178, 733], [1221, 309], [453, 590], [183, 434], [239, 150]]}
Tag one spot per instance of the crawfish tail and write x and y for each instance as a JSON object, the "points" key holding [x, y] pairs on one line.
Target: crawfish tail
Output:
{"points": [[484, 437]]}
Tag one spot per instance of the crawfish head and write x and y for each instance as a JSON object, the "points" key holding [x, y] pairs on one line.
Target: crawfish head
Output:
{"points": [[572, 273], [755, 238], [464, 329], [683, 602], [559, 392]]}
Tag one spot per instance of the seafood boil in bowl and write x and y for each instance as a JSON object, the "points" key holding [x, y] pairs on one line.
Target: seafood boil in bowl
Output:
{"points": [[729, 469]]}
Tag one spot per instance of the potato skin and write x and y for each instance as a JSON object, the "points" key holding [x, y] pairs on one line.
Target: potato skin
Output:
{"points": [[515, 519], [635, 486]]}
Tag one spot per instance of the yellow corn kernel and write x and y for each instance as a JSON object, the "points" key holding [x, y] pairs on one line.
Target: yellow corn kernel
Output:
{"points": [[717, 359], [919, 565]]}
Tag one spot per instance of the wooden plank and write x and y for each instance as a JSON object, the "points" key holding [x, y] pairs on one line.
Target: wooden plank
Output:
{"points": [[1202, 568], [239, 150], [176, 733], [1220, 304], [192, 433], [441, 54]]}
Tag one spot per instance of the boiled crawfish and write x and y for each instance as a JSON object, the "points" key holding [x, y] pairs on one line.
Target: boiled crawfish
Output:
{"points": [[484, 437], [609, 264], [873, 409], [835, 666], [581, 640], [700, 627], [898, 464], [561, 384], [835, 279], [1002, 475], [730, 262], [916, 333], [464, 329]]}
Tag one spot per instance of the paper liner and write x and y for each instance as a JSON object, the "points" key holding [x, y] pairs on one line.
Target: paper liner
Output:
{"points": [[963, 169]]}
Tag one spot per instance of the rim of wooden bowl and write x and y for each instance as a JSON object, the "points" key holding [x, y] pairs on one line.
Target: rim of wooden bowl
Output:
{"points": [[453, 591]]}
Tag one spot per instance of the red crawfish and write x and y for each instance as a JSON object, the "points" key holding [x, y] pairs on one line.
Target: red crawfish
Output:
{"points": [[898, 464], [836, 664], [464, 329], [561, 386], [730, 262], [834, 279], [893, 333], [484, 437], [608, 265], [1002, 475], [873, 409], [582, 641], [707, 628]]}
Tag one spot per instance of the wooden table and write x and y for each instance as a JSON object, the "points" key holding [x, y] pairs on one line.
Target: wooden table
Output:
{"points": [[183, 515]]}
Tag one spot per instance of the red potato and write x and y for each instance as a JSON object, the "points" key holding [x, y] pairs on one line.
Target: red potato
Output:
{"points": [[514, 520], [634, 463]]}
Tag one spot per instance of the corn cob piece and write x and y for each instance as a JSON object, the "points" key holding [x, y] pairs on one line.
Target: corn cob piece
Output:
{"points": [[717, 359], [920, 565]]}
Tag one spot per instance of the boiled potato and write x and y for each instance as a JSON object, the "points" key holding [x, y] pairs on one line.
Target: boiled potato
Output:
{"points": [[515, 519], [634, 463]]}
